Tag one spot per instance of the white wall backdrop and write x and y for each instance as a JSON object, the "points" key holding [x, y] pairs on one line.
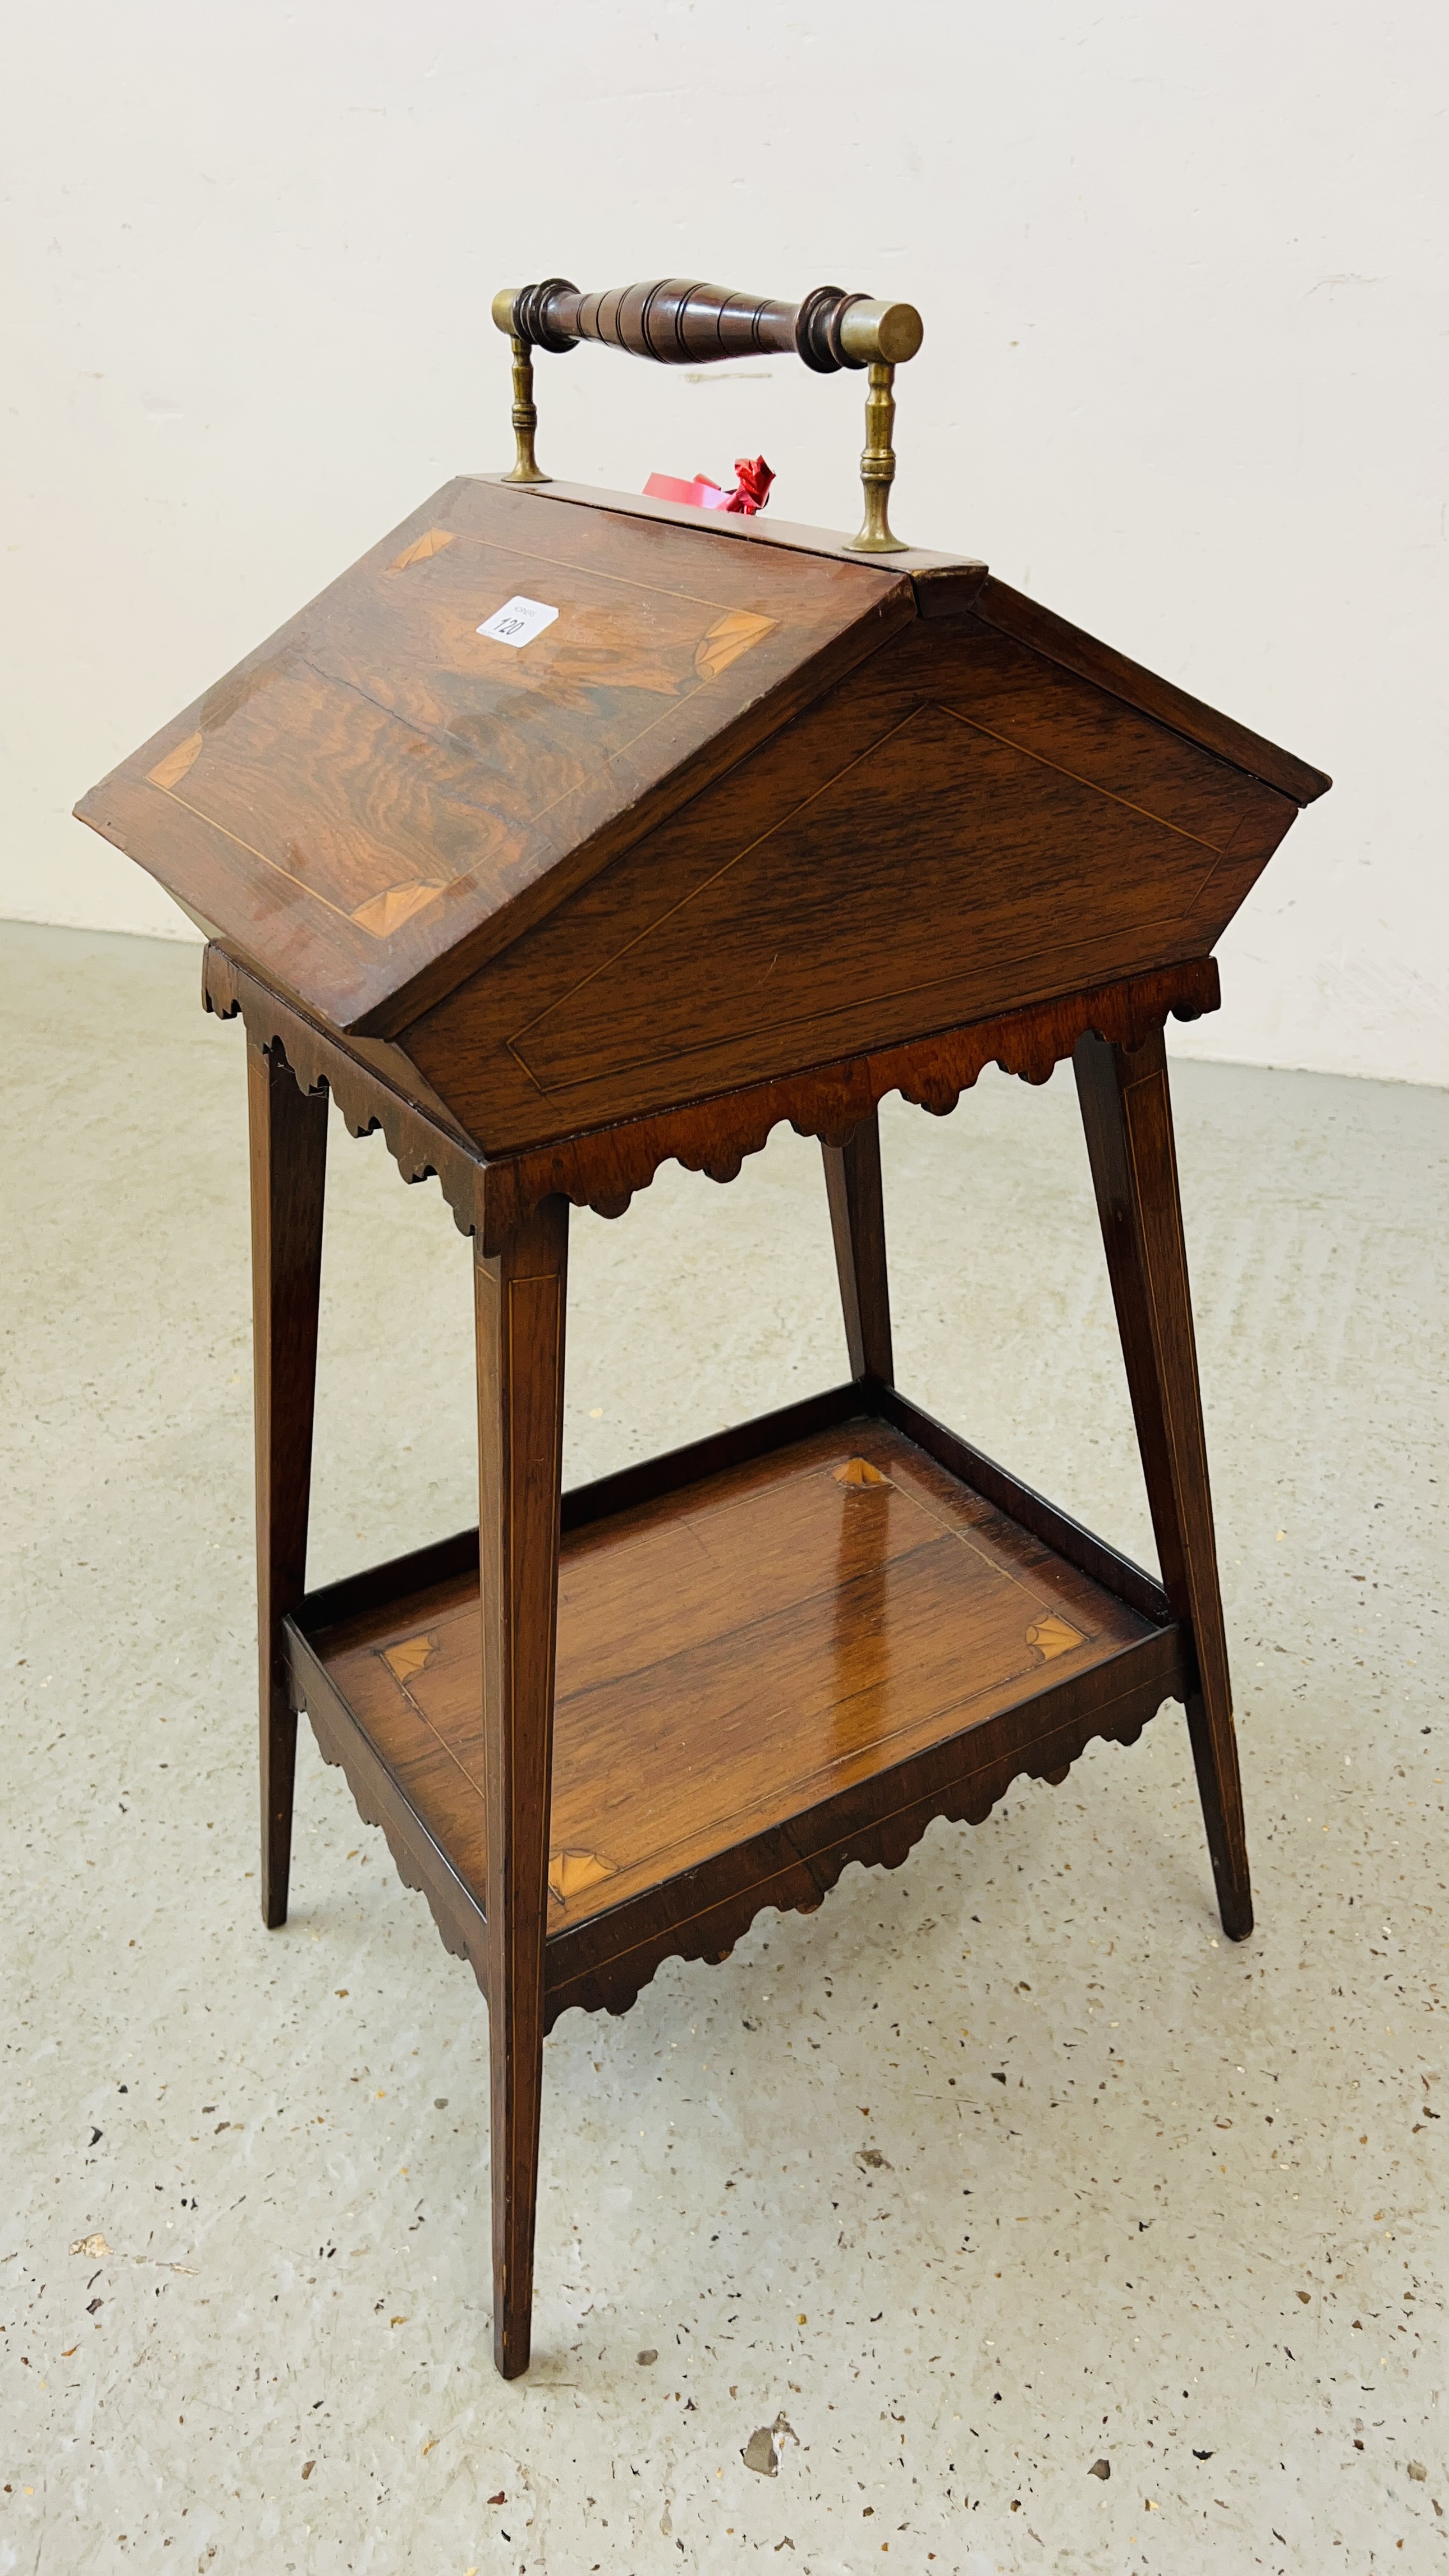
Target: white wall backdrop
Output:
{"points": [[1184, 279]]}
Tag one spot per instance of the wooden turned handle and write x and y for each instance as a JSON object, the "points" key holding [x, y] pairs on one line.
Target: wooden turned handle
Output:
{"points": [[683, 324]]}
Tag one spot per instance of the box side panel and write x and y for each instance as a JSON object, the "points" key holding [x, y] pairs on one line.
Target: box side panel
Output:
{"points": [[958, 829], [1026, 619]]}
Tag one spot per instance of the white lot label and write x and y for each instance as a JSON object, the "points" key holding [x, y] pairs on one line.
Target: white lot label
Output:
{"points": [[517, 621]]}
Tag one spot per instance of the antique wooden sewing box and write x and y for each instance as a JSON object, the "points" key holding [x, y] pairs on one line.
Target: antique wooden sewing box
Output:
{"points": [[723, 823]]}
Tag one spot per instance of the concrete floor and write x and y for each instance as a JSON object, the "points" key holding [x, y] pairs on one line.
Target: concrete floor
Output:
{"points": [[998, 2167]]}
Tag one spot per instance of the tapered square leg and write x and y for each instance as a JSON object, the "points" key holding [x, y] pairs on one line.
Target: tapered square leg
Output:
{"points": [[1127, 1114], [520, 1303], [857, 1222], [288, 1179]]}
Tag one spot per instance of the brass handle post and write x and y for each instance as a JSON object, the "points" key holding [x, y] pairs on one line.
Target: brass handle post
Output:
{"points": [[525, 467], [878, 467]]}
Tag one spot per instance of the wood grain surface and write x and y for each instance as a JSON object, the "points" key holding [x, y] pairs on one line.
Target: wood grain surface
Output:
{"points": [[380, 799], [1127, 1115], [520, 1307], [288, 1142], [731, 1655], [379, 794], [1059, 641], [942, 583], [375, 1086], [958, 828], [857, 1225], [946, 584]]}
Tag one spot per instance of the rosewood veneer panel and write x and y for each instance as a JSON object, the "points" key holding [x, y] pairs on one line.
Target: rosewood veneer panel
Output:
{"points": [[732, 1655], [960, 826], [378, 794]]}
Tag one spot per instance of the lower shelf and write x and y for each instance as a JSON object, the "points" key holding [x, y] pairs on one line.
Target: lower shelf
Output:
{"points": [[785, 1663]]}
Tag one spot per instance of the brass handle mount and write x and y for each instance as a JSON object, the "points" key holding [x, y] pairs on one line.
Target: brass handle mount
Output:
{"points": [[678, 322]]}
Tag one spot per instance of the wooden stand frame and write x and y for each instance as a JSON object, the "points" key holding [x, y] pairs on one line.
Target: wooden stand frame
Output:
{"points": [[930, 1541]]}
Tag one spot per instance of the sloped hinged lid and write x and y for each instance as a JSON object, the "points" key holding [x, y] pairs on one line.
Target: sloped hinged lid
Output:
{"points": [[382, 795]]}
